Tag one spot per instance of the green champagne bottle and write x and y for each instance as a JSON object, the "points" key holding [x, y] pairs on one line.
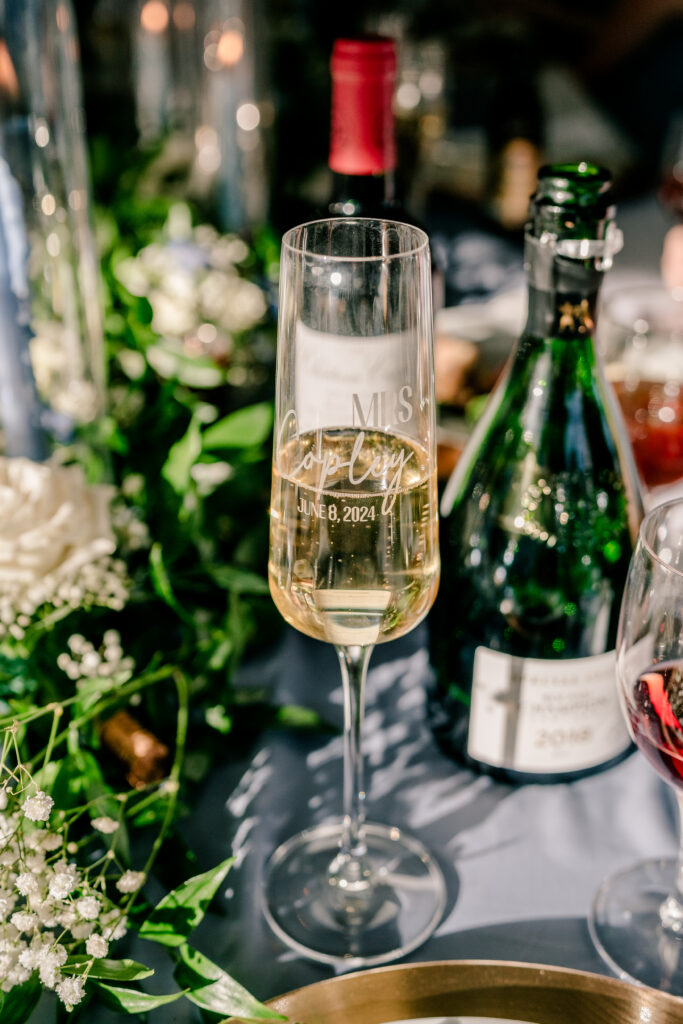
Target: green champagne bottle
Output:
{"points": [[538, 523]]}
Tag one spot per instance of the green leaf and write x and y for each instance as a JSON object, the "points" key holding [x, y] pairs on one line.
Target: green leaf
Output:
{"points": [[162, 582], [217, 718], [194, 371], [242, 581], [239, 623], [108, 434], [150, 809], [130, 1000], [17, 1005], [118, 970], [222, 652], [241, 429], [80, 780], [296, 716], [209, 987], [92, 690], [182, 457], [45, 777], [150, 816], [179, 913]]}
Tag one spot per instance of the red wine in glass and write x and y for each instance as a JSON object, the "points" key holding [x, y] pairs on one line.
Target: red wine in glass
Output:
{"points": [[671, 190], [656, 716], [653, 412]]}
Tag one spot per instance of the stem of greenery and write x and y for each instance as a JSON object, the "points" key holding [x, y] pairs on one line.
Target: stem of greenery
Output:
{"points": [[57, 712], [116, 696], [173, 781]]}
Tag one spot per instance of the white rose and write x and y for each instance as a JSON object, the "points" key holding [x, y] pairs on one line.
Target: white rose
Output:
{"points": [[52, 524]]}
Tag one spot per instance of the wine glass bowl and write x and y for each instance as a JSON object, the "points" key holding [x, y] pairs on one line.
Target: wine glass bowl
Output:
{"points": [[354, 544], [637, 918], [354, 557], [641, 336]]}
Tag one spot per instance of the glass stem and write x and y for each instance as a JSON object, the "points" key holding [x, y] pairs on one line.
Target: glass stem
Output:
{"points": [[671, 910], [354, 667]]}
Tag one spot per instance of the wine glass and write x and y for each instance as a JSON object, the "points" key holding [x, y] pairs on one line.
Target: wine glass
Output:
{"points": [[641, 330], [637, 917], [354, 552], [671, 184]]}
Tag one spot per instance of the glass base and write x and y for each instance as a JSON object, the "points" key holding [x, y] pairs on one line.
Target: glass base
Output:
{"points": [[626, 926], [399, 901]]}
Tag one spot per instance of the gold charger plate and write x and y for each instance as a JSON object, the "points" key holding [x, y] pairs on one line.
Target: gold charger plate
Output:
{"points": [[476, 988]]}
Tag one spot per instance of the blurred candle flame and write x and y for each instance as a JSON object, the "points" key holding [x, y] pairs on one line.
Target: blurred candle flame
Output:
{"points": [[154, 16], [8, 76], [62, 17], [183, 16], [230, 47]]}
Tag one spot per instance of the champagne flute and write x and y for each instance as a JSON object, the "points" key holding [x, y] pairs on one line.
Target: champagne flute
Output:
{"points": [[354, 552], [637, 917]]}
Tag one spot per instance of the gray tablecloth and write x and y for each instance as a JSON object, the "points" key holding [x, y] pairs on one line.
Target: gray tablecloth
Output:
{"points": [[522, 863]]}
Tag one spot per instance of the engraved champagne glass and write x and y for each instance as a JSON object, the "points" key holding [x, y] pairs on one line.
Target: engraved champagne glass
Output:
{"points": [[354, 552]]}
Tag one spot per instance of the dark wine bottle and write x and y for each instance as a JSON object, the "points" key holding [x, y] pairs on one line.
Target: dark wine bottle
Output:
{"points": [[362, 140], [362, 137], [538, 523], [515, 132]]}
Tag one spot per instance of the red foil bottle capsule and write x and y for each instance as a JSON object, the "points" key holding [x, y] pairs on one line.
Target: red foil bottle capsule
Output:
{"points": [[362, 130]]}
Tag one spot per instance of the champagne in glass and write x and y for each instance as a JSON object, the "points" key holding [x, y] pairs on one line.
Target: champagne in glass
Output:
{"points": [[372, 549], [354, 551]]}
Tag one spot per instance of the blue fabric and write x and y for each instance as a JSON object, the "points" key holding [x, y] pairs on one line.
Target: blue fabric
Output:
{"points": [[522, 863]]}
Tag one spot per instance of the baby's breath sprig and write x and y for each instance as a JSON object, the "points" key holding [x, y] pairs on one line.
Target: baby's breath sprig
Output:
{"points": [[83, 661], [50, 906], [56, 901]]}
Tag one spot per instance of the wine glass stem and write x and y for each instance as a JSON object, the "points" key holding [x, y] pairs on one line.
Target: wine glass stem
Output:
{"points": [[671, 910], [354, 667]]}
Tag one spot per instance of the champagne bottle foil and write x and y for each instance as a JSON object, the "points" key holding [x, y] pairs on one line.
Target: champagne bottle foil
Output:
{"points": [[144, 756]]}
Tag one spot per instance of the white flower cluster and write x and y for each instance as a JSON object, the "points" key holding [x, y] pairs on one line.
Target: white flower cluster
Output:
{"points": [[131, 881], [131, 531], [50, 907], [61, 382], [198, 297], [83, 661], [56, 543]]}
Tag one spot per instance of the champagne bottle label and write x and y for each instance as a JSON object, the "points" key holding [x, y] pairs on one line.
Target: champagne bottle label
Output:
{"points": [[541, 716]]}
